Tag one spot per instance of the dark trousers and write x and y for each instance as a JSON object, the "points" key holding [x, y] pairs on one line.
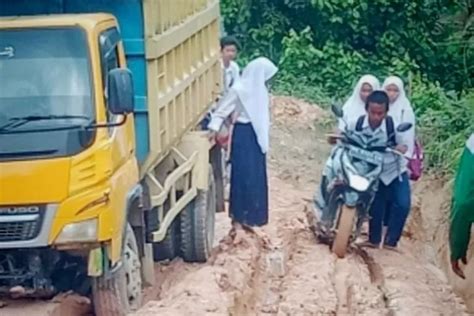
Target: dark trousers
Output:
{"points": [[395, 199]]}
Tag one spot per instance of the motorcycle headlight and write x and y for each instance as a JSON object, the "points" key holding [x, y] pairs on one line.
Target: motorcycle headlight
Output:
{"points": [[357, 182]]}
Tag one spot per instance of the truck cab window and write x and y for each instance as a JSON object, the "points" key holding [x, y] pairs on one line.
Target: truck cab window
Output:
{"points": [[109, 41]]}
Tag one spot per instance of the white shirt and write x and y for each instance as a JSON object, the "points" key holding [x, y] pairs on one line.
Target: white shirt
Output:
{"points": [[405, 114], [231, 75], [393, 166], [250, 100], [229, 104]]}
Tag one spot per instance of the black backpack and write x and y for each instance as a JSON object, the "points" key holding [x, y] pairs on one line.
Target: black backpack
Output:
{"points": [[389, 126]]}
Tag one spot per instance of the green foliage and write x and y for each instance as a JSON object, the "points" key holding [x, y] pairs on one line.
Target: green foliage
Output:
{"points": [[444, 131], [302, 90], [323, 46], [331, 67]]}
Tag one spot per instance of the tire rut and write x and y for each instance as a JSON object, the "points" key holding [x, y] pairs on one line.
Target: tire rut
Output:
{"points": [[376, 277], [298, 276], [294, 274]]}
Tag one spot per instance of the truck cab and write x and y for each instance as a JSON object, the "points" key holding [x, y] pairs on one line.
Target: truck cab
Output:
{"points": [[99, 164]]}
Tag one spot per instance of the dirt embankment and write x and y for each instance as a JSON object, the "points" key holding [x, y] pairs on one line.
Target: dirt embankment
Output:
{"points": [[432, 209]]}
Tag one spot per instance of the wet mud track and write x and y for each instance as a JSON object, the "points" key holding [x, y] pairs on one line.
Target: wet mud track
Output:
{"points": [[281, 269]]}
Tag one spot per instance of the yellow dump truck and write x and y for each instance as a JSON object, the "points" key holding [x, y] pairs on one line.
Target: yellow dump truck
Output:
{"points": [[103, 168]]}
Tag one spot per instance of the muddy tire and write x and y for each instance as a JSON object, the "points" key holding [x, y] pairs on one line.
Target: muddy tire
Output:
{"points": [[343, 231], [218, 168], [197, 225], [168, 248], [122, 292]]}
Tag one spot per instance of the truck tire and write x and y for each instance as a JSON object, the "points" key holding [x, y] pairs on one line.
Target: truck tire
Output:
{"points": [[197, 225], [343, 231], [218, 167], [122, 292], [168, 248]]}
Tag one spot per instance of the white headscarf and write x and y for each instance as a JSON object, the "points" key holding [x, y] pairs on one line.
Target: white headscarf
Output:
{"points": [[355, 106], [254, 96], [401, 110]]}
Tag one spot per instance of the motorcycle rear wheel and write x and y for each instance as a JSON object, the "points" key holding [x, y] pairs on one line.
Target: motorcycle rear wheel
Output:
{"points": [[344, 228]]}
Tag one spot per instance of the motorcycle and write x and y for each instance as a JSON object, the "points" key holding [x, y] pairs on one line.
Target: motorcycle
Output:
{"points": [[357, 162]]}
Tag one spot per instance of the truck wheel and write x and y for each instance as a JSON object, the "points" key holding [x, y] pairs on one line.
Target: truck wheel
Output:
{"points": [[122, 292], [197, 225], [343, 231], [168, 248], [218, 167]]}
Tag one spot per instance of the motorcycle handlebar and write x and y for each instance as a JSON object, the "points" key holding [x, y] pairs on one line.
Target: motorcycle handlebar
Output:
{"points": [[344, 138]]}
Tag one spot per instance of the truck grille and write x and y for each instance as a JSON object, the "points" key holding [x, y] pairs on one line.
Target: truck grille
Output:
{"points": [[18, 227]]}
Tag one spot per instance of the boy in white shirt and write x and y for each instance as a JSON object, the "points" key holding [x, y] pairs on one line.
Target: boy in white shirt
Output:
{"points": [[229, 51], [394, 188], [231, 74]]}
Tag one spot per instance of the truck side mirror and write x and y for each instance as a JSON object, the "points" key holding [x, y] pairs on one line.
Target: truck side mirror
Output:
{"points": [[120, 91]]}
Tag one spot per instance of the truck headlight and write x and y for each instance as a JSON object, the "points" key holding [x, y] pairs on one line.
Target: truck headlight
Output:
{"points": [[358, 183], [85, 231]]}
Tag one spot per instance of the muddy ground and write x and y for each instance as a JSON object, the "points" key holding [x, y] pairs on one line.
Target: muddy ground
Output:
{"points": [[432, 212], [281, 270]]}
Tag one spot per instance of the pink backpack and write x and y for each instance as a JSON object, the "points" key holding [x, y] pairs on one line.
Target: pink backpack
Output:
{"points": [[415, 164]]}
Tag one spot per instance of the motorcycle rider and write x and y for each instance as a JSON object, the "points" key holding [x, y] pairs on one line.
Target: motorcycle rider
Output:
{"points": [[353, 108], [375, 123], [394, 186]]}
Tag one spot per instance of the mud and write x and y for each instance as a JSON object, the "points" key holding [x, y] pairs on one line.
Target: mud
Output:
{"points": [[65, 304], [281, 269], [432, 210]]}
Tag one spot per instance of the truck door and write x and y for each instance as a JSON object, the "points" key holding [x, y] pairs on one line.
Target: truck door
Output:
{"points": [[124, 167]]}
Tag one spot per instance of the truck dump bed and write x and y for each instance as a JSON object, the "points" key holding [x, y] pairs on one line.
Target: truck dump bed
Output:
{"points": [[173, 51]]}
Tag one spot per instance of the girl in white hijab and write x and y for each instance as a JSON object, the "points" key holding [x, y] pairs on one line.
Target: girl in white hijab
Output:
{"points": [[355, 105], [249, 102], [400, 109], [352, 109]]}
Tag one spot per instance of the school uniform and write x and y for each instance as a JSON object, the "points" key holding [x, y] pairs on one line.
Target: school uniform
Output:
{"points": [[393, 194], [230, 75], [248, 102], [402, 112]]}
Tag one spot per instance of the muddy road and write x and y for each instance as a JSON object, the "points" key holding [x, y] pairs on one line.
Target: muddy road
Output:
{"points": [[281, 270]]}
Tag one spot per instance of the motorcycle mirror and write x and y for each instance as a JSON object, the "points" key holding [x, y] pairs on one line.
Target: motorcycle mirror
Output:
{"points": [[403, 127], [338, 112]]}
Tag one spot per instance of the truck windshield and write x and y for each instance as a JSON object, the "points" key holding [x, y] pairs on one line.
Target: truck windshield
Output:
{"points": [[45, 76], [44, 72]]}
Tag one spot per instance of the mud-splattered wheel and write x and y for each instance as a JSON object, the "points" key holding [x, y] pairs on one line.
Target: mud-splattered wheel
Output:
{"points": [[344, 228], [197, 225], [168, 248], [218, 163], [122, 292]]}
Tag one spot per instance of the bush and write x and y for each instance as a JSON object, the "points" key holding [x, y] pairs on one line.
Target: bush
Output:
{"points": [[445, 128], [323, 47]]}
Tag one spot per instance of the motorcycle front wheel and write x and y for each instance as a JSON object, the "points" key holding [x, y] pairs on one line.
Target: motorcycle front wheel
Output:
{"points": [[345, 224]]}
